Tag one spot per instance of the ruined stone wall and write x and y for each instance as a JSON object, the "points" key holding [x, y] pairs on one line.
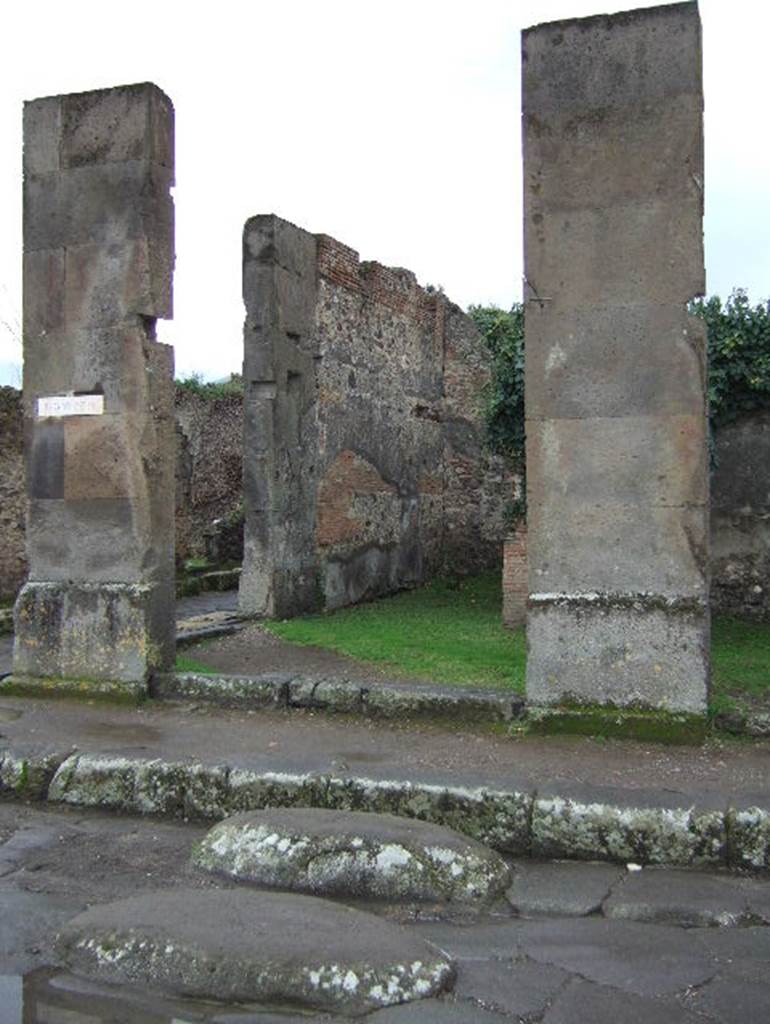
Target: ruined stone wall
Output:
{"points": [[740, 519], [13, 558], [209, 458], [364, 469]]}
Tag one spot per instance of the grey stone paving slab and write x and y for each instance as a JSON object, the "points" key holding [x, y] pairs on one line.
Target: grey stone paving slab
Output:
{"points": [[483, 940], [687, 898], [740, 953], [27, 917], [565, 888], [354, 854], [649, 960], [244, 946], [732, 1001], [520, 989], [435, 1011], [758, 898], [582, 1002]]}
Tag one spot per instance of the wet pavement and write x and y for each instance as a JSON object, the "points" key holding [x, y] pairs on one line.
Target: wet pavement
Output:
{"points": [[547, 963]]}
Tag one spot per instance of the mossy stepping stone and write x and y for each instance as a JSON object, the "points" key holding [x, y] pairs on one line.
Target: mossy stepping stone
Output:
{"points": [[259, 947], [353, 854]]}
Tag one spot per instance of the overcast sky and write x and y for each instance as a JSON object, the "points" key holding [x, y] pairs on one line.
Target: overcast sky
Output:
{"points": [[392, 126]]}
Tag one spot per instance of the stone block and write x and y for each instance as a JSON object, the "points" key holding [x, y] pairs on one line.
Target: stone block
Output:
{"points": [[108, 287], [609, 255], [118, 362], [652, 55], [96, 540], [130, 122], [90, 631], [45, 462], [594, 157], [103, 205], [648, 461], [96, 459], [614, 361], [44, 289], [42, 135], [602, 652], [618, 549]]}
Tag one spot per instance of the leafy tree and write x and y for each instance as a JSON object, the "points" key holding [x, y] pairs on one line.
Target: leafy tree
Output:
{"points": [[739, 356]]}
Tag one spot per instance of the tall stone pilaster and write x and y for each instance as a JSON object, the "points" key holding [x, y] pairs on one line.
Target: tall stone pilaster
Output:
{"points": [[98, 390], [615, 366]]}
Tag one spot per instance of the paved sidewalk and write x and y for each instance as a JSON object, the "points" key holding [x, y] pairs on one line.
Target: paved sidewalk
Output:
{"points": [[550, 796]]}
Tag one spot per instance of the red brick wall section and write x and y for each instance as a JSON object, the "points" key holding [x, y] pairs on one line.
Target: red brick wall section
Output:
{"points": [[344, 513], [515, 586], [393, 287]]}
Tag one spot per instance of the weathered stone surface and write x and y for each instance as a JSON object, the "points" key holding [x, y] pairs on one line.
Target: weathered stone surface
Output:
{"points": [[593, 830], [434, 1011], [628, 656], [228, 691], [143, 786], [521, 990], [749, 838], [730, 1001], [560, 888], [245, 946], [327, 694], [689, 899], [98, 268], [28, 778], [617, 472], [385, 701], [498, 819], [95, 635], [599, 1004], [622, 954], [349, 853]]}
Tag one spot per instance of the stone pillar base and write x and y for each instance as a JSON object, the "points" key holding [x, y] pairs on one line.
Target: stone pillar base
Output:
{"points": [[110, 638], [636, 652]]}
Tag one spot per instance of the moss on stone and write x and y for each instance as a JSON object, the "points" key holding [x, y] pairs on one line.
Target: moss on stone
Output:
{"points": [[648, 726], [75, 689]]}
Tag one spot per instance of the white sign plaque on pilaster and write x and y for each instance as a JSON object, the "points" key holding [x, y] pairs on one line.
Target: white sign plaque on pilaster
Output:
{"points": [[70, 405]]}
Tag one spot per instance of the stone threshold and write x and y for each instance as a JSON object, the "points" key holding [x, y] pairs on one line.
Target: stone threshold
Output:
{"points": [[283, 691], [543, 824], [398, 701]]}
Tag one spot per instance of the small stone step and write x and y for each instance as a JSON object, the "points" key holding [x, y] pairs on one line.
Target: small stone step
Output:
{"points": [[242, 946], [353, 854]]}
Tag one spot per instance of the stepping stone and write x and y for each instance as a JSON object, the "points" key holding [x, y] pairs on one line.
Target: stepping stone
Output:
{"points": [[353, 854], [253, 947]]}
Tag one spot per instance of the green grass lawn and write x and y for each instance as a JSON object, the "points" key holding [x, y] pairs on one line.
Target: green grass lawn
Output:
{"points": [[450, 632], [740, 662]]}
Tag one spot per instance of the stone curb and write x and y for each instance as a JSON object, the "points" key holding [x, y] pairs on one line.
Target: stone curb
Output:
{"points": [[385, 700], [543, 825]]}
